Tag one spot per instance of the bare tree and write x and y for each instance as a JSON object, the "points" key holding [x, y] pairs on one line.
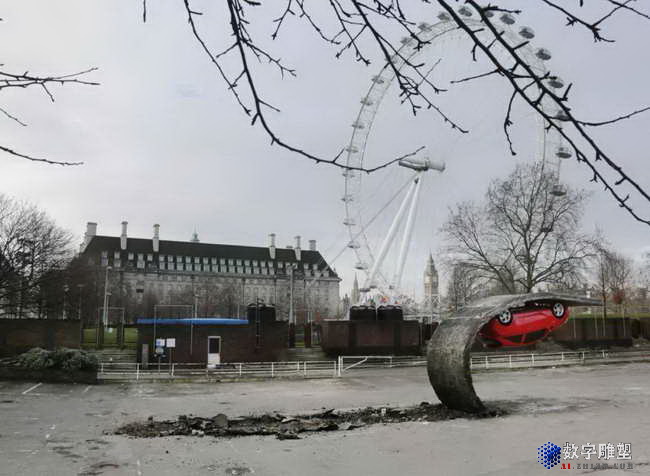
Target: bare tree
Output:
{"points": [[463, 286], [621, 281], [523, 236], [13, 80], [377, 29], [32, 249], [614, 277]]}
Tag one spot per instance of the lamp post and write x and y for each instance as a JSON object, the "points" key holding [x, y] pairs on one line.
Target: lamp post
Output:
{"points": [[81, 327], [106, 294], [66, 288]]}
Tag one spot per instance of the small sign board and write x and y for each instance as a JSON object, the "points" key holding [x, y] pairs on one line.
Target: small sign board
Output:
{"points": [[160, 342], [171, 343], [159, 350]]}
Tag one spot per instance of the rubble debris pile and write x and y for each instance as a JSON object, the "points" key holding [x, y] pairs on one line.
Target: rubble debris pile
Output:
{"points": [[288, 427]]}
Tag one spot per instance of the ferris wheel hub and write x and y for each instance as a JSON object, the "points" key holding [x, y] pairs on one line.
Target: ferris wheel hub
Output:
{"points": [[422, 165]]}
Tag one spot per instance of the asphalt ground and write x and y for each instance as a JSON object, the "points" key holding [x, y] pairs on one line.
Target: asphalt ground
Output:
{"points": [[64, 429]]}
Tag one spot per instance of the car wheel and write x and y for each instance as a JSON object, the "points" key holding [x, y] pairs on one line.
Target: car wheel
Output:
{"points": [[558, 310], [505, 317]]}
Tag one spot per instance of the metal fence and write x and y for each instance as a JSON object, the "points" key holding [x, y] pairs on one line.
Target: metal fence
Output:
{"points": [[346, 365], [230, 371]]}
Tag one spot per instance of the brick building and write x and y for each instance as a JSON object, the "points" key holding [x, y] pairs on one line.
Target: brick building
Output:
{"points": [[144, 274]]}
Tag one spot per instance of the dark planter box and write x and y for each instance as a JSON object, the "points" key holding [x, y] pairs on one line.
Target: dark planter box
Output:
{"points": [[48, 375]]}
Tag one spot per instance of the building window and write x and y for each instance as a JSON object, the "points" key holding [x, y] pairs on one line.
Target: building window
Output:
{"points": [[280, 264], [105, 254], [179, 267], [254, 262], [196, 260], [188, 259], [231, 262], [104, 261], [179, 259], [116, 255], [140, 257], [248, 270], [205, 260], [150, 257], [247, 262], [238, 262], [117, 263], [140, 264], [161, 258]]}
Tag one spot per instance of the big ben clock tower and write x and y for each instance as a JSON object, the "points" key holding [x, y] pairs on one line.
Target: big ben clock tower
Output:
{"points": [[431, 295]]}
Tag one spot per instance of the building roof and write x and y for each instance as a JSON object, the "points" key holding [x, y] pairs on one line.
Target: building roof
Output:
{"points": [[111, 244]]}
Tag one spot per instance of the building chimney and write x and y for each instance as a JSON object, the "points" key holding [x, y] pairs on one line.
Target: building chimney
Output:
{"points": [[272, 245], [156, 238], [312, 245], [123, 236], [297, 248], [91, 230]]}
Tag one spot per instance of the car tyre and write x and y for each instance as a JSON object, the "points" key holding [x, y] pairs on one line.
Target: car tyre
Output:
{"points": [[505, 317], [558, 310]]}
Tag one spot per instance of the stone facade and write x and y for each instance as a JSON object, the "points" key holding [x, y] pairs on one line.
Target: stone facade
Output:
{"points": [[153, 275]]}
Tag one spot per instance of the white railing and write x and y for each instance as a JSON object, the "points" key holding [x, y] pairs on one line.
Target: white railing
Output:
{"points": [[239, 370], [348, 364]]}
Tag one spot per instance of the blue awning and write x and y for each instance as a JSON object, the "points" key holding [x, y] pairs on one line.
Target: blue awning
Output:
{"points": [[207, 321]]}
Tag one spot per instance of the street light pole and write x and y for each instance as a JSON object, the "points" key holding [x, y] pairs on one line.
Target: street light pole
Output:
{"points": [[66, 288], [105, 313]]}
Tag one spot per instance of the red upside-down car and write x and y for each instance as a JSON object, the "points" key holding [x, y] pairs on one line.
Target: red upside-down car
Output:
{"points": [[523, 326]]}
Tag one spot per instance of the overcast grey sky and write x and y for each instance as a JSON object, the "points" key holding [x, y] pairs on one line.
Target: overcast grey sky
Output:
{"points": [[164, 142]]}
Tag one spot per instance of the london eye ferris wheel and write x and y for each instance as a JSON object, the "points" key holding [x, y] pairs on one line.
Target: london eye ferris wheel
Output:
{"points": [[381, 209]]}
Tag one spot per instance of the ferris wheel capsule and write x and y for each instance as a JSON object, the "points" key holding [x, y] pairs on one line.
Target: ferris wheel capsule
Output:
{"points": [[347, 198], [366, 101], [558, 190], [358, 125], [424, 26], [354, 245], [361, 266], [378, 79], [466, 12], [444, 16], [352, 149], [349, 222], [543, 54], [560, 115], [527, 32], [407, 40], [348, 173], [556, 82], [563, 152], [507, 18]]}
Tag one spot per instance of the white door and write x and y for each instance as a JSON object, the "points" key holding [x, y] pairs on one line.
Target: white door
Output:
{"points": [[214, 351]]}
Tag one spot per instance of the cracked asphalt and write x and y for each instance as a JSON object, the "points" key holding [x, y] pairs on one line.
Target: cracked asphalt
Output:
{"points": [[63, 429]]}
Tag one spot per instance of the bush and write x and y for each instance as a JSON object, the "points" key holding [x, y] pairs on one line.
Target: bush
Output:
{"points": [[59, 359]]}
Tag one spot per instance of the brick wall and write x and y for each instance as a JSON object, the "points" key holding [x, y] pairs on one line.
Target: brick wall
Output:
{"points": [[20, 335], [238, 343], [371, 337]]}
